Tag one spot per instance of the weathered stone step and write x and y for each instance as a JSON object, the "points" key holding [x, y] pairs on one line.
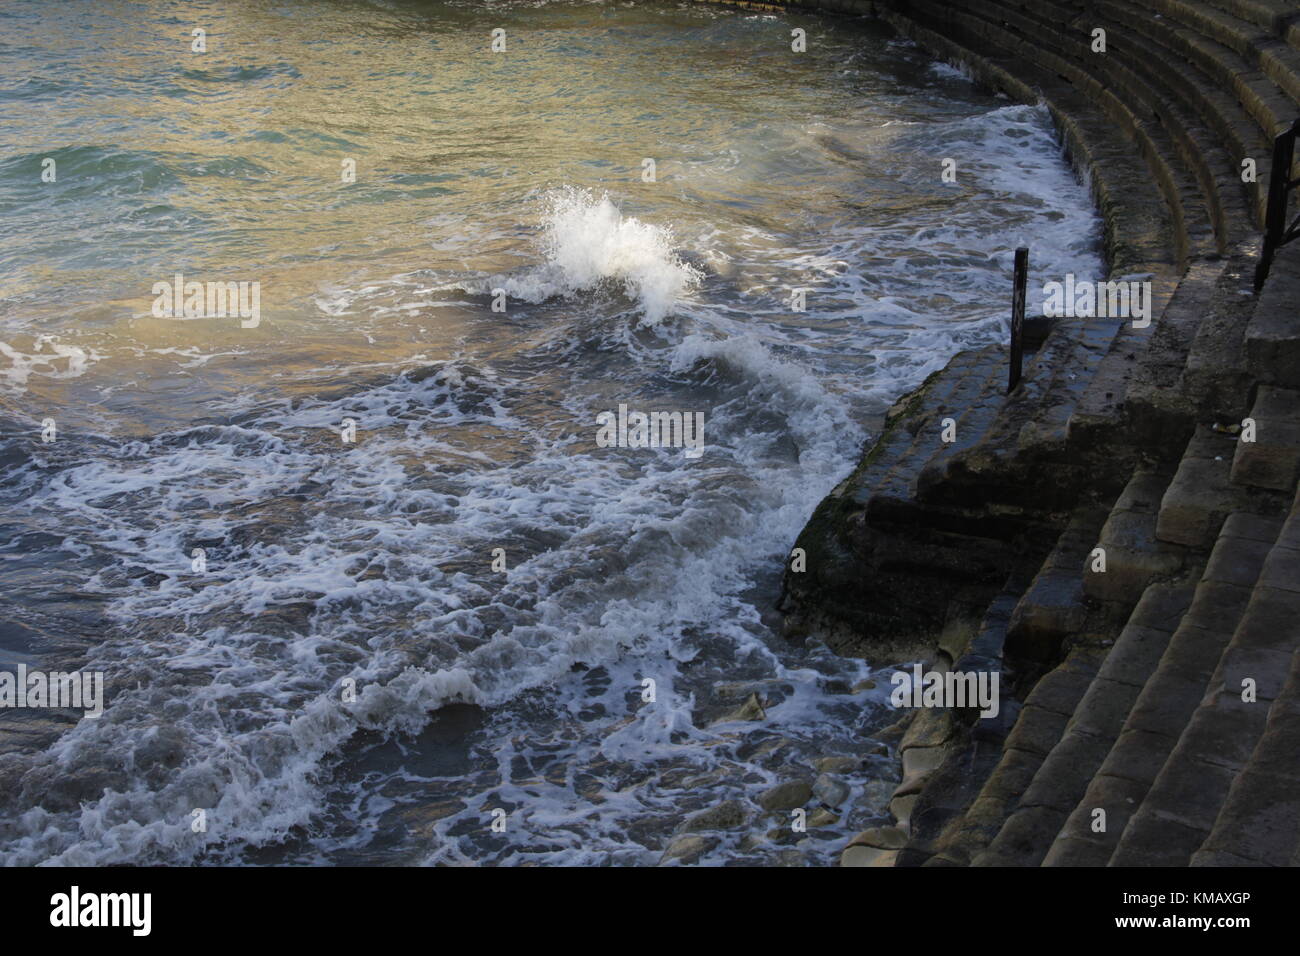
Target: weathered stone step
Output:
{"points": [[1273, 335], [1139, 232], [1272, 460], [1064, 775], [1255, 45], [1186, 797], [1202, 493], [1065, 54], [1158, 414], [1039, 725], [1279, 56], [1030, 432], [1052, 608], [907, 421], [1260, 820], [1170, 695], [1131, 557], [976, 744], [1249, 107], [1097, 724], [1048, 601], [874, 563], [969, 406], [1179, 62]]}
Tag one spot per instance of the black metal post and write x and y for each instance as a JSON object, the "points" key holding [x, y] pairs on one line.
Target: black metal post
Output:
{"points": [[1279, 185], [1018, 317]]}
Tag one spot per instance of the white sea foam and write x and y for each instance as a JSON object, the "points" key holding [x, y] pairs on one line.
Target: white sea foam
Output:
{"points": [[587, 242]]}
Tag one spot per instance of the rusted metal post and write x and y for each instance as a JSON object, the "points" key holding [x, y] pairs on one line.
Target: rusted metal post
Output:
{"points": [[1018, 318]]}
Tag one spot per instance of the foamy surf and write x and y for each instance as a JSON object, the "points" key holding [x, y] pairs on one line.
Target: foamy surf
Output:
{"points": [[354, 677]]}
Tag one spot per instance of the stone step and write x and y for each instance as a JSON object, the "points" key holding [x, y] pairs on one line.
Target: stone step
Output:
{"points": [[1139, 232], [1215, 378], [1273, 335], [1050, 601], [1133, 557], [1260, 820], [1255, 45], [1189, 71], [1066, 54], [971, 405], [1052, 609], [907, 422], [1038, 726], [1272, 460], [1157, 412], [1185, 799], [1095, 727], [1064, 775], [870, 528], [1169, 696], [1202, 493], [1030, 427]]}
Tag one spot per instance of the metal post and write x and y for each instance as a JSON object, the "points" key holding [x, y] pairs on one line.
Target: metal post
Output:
{"points": [[1279, 184], [1018, 317]]}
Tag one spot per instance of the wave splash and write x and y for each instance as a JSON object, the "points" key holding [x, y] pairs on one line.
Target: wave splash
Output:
{"points": [[588, 243]]}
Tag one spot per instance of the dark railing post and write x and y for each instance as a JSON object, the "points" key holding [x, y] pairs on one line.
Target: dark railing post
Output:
{"points": [[1279, 185], [1018, 318]]}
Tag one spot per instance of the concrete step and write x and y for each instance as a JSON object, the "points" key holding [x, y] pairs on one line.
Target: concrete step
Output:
{"points": [[1134, 558], [1095, 727], [1273, 335], [1065, 54], [1260, 820], [1065, 773], [1185, 799], [1038, 726], [1272, 460], [1169, 695], [1202, 493]]}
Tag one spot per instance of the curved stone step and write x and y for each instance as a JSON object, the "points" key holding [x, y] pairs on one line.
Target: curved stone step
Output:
{"points": [[1169, 695], [1272, 460], [1064, 775], [1216, 124], [1040, 724], [1187, 796], [1133, 557], [1012, 29], [1273, 335], [1260, 820], [1139, 233]]}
